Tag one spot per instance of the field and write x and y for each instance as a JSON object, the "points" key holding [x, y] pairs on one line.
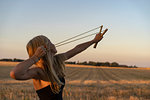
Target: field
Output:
{"points": [[84, 83]]}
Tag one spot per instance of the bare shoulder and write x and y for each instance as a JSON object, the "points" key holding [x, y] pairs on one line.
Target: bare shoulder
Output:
{"points": [[61, 56]]}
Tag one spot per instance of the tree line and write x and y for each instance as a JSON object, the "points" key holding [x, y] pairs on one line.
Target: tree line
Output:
{"points": [[108, 64], [12, 60]]}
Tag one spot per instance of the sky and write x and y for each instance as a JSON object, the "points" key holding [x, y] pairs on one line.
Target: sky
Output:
{"points": [[126, 42]]}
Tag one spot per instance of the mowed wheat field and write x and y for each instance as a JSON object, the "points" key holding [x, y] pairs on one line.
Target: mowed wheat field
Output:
{"points": [[84, 83]]}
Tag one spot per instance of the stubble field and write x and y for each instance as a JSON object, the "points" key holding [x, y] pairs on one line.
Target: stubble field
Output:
{"points": [[84, 83]]}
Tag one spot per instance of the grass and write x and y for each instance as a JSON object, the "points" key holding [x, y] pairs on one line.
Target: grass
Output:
{"points": [[84, 83]]}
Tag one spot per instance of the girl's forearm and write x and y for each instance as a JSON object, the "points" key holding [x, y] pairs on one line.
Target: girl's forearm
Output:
{"points": [[84, 46], [21, 68]]}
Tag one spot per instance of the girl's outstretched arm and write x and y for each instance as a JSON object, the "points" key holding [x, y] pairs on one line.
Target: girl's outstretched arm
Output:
{"points": [[81, 47]]}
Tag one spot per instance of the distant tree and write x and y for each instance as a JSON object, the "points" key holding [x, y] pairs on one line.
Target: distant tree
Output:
{"points": [[123, 66], [99, 64], [5, 59], [106, 64], [92, 63], [132, 66], [114, 64], [70, 62], [135, 66], [84, 63], [17, 60]]}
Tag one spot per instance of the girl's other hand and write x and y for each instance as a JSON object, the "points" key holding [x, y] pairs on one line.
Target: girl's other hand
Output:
{"points": [[40, 52]]}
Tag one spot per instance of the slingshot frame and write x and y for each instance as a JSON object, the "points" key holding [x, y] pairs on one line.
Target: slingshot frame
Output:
{"points": [[101, 34]]}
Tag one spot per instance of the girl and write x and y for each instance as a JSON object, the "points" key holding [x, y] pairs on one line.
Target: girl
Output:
{"points": [[48, 72]]}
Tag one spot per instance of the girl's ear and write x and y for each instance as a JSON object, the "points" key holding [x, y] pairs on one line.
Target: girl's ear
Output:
{"points": [[45, 46]]}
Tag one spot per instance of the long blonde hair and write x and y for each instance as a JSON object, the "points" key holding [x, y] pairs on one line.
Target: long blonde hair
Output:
{"points": [[52, 66]]}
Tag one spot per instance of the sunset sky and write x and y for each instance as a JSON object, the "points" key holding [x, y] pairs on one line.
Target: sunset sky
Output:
{"points": [[126, 42]]}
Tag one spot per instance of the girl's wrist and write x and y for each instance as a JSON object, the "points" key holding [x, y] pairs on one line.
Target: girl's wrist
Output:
{"points": [[35, 59], [93, 41]]}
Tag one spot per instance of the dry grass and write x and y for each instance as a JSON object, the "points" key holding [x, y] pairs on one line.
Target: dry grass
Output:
{"points": [[84, 83]]}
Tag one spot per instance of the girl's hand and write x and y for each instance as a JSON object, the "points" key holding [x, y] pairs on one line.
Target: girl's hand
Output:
{"points": [[40, 52], [98, 37]]}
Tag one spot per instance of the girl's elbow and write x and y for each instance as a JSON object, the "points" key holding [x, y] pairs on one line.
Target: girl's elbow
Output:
{"points": [[14, 75]]}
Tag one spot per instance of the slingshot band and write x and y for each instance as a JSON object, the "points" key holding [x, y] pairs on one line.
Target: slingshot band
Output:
{"points": [[67, 40]]}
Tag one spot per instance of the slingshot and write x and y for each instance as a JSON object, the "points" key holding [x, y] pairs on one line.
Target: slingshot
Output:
{"points": [[72, 39]]}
